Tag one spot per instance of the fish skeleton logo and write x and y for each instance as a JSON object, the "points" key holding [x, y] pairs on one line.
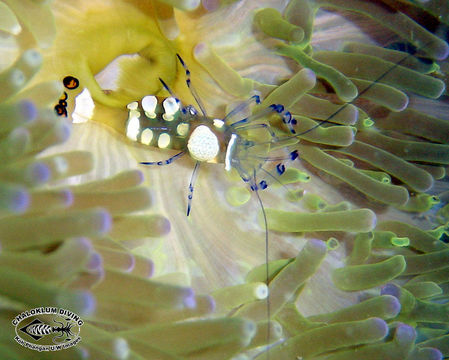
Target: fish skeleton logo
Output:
{"points": [[47, 329]]}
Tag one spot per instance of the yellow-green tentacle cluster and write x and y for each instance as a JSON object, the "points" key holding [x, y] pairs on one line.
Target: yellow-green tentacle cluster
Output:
{"points": [[373, 243]]}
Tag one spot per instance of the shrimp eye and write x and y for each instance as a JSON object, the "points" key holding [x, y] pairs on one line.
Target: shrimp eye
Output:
{"points": [[60, 110], [70, 82]]}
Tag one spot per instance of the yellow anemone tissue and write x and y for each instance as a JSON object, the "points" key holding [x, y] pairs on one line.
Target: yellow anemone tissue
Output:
{"points": [[357, 224]]}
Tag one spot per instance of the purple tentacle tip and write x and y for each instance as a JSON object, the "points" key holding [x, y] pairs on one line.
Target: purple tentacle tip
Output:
{"points": [[104, 221], [434, 354], [64, 132], [131, 265], [84, 243], [443, 53], [150, 268], [82, 352], [429, 353], [394, 306], [40, 173], [317, 245], [139, 176], [380, 326], [88, 303], [28, 110], [165, 226], [189, 299], [391, 289], [212, 303], [67, 197], [211, 5], [19, 201], [405, 334], [95, 261]]}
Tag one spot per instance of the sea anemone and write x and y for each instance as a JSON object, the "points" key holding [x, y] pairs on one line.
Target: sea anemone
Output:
{"points": [[357, 226]]}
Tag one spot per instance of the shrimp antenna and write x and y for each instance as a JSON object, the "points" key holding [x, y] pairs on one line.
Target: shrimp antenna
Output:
{"points": [[267, 272], [190, 86], [166, 87]]}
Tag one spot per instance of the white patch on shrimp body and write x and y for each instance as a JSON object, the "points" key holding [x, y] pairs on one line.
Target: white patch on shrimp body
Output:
{"points": [[203, 144], [229, 152]]}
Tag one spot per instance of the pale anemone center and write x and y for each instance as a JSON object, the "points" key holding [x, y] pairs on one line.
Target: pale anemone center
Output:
{"points": [[203, 144]]}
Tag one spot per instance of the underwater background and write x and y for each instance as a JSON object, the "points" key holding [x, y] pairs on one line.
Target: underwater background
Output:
{"points": [[357, 225]]}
